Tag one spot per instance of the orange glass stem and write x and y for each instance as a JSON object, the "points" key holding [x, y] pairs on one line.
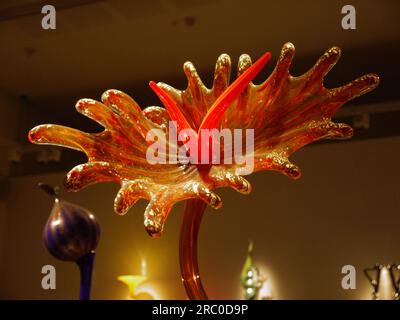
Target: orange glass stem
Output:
{"points": [[192, 215]]}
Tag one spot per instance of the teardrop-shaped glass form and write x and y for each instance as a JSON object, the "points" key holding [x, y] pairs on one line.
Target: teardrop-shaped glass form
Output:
{"points": [[250, 278], [71, 231]]}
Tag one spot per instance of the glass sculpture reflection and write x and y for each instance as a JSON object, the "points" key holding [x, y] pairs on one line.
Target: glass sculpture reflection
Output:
{"points": [[251, 279], [286, 113]]}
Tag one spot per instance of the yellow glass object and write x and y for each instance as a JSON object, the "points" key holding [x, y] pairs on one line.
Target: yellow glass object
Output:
{"points": [[251, 279], [133, 282]]}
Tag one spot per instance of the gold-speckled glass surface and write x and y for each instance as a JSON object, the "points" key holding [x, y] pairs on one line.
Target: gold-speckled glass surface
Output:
{"points": [[285, 112]]}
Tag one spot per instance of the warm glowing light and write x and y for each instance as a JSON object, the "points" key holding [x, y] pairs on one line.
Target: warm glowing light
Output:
{"points": [[147, 291], [133, 282], [144, 267], [385, 290], [383, 281], [265, 291], [139, 289], [55, 223]]}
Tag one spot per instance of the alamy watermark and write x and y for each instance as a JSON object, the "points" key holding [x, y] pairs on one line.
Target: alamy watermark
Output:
{"points": [[349, 278], [349, 18], [49, 278], [209, 146], [49, 18]]}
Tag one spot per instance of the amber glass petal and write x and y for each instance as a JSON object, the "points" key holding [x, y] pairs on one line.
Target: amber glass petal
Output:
{"points": [[286, 113]]}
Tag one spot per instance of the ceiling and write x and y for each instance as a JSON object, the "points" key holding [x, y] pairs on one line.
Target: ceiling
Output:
{"points": [[123, 44]]}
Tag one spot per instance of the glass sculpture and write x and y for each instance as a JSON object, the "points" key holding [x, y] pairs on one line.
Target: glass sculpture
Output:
{"points": [[286, 113], [132, 282], [385, 281], [251, 279], [72, 233]]}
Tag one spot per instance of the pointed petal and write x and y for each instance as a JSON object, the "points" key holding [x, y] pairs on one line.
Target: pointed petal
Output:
{"points": [[324, 64], [214, 115], [128, 195], [282, 67], [243, 64], [173, 110], [221, 75], [278, 163], [194, 81], [238, 183], [97, 111], [61, 136], [205, 194], [155, 216], [355, 88], [89, 173]]}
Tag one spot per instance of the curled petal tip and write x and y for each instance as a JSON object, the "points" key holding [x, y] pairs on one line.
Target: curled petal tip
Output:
{"points": [[282, 164], [120, 206], [31, 135], [373, 79], [69, 185], [341, 131], [154, 230], [34, 135], [89, 173], [155, 216], [335, 50], [356, 88], [123, 202], [292, 171], [243, 64], [287, 51], [324, 64], [208, 196], [328, 129], [239, 183], [288, 45], [152, 223], [216, 202], [110, 93], [129, 194], [82, 103]]}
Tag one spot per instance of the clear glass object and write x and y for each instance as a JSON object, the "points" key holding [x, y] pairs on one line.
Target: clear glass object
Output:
{"points": [[286, 113]]}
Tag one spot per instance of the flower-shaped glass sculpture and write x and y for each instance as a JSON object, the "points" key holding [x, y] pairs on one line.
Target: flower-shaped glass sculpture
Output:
{"points": [[285, 112]]}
